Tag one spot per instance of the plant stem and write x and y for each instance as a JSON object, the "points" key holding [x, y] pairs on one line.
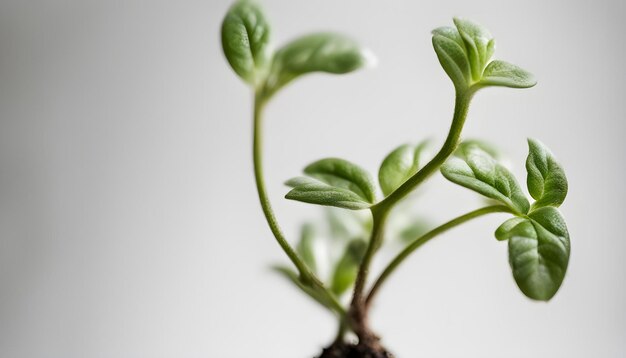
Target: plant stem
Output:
{"points": [[427, 237], [358, 311], [359, 307], [376, 239], [307, 277], [341, 331], [461, 107]]}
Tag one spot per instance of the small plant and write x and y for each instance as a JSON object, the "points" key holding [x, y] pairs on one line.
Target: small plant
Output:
{"points": [[537, 235]]}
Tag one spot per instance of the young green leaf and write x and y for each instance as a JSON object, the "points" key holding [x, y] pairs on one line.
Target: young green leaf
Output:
{"points": [[341, 173], [319, 52], [306, 246], [487, 147], [539, 249], [310, 291], [313, 191], [500, 73], [452, 57], [347, 267], [418, 227], [334, 182], [546, 179], [478, 171], [398, 166], [245, 40], [465, 54], [479, 45]]}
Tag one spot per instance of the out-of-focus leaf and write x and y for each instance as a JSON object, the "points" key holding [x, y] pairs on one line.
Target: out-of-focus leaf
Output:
{"points": [[318, 52], [294, 278], [306, 247], [347, 267]]}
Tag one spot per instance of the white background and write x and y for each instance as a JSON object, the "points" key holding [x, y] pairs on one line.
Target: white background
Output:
{"points": [[129, 224]]}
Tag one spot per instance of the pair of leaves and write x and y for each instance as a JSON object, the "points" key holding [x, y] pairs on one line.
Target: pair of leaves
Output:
{"points": [[539, 249], [246, 44], [337, 182], [539, 244], [465, 51], [334, 182]]}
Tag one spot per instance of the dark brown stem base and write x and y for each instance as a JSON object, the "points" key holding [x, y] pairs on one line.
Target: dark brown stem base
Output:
{"points": [[347, 350]]}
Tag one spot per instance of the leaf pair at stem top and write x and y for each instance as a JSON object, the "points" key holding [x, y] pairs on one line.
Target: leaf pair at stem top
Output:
{"points": [[246, 41]]}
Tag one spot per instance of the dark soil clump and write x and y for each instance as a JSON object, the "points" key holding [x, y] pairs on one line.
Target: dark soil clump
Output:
{"points": [[346, 350]]}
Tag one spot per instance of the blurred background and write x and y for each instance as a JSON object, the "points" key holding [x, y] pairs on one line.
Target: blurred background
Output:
{"points": [[129, 222]]}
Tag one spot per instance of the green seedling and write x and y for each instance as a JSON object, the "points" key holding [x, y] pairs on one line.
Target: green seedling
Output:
{"points": [[536, 232]]}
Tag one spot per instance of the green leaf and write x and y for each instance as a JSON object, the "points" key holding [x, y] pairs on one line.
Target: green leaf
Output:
{"points": [[478, 171], [347, 267], [489, 148], [334, 182], [452, 58], [319, 52], [546, 179], [345, 225], [539, 249], [479, 45], [310, 291], [500, 73], [417, 228], [313, 191], [398, 166], [450, 33], [341, 173], [245, 40], [306, 247]]}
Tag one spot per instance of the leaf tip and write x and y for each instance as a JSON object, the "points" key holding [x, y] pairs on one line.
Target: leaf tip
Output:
{"points": [[369, 58]]}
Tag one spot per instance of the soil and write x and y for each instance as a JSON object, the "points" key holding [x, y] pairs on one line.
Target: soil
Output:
{"points": [[347, 350]]}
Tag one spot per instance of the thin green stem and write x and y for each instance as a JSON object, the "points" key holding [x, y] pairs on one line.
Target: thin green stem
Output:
{"points": [[306, 275], [427, 237], [376, 239], [461, 107], [380, 211], [358, 312]]}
